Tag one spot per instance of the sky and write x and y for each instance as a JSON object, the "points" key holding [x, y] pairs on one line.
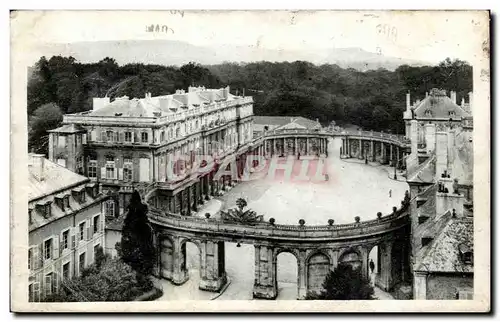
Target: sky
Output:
{"points": [[426, 36]]}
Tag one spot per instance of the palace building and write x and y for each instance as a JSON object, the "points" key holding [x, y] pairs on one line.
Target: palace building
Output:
{"points": [[126, 143], [66, 225], [440, 177]]}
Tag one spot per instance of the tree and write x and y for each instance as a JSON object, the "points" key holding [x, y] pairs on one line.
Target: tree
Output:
{"points": [[239, 215], [136, 245], [46, 117], [344, 283], [113, 280]]}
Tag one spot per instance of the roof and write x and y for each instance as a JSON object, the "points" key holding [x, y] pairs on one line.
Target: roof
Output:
{"points": [[55, 178], [286, 121], [443, 253], [69, 128], [163, 105], [439, 105], [425, 171]]}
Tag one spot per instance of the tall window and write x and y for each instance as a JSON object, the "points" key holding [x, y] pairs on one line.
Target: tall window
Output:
{"points": [[128, 136], [61, 141], [65, 271], [92, 169], [162, 136], [81, 262], [110, 167], [47, 249], [109, 208], [81, 231], [30, 258], [144, 137], [65, 239], [127, 169], [79, 165], [66, 201], [110, 135], [96, 224]]}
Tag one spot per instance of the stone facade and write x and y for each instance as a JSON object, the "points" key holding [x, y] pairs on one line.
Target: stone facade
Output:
{"points": [[66, 226]]}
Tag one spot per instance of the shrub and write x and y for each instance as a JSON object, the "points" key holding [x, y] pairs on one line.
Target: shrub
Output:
{"points": [[207, 215], [272, 221], [357, 219], [330, 222], [302, 222]]}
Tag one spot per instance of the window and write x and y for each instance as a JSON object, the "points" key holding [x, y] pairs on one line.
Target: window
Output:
{"points": [[30, 213], [109, 208], [47, 249], [110, 167], [31, 293], [81, 262], [81, 230], [144, 137], [162, 136], [128, 136], [65, 239], [127, 169], [92, 169], [79, 165], [66, 201], [110, 171], [48, 284], [451, 113], [46, 210], [110, 135], [65, 271], [96, 224], [30, 258]]}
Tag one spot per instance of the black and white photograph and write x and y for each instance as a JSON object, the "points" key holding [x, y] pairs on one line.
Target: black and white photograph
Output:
{"points": [[285, 158]]}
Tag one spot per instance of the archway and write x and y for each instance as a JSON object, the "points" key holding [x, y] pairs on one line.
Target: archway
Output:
{"points": [[190, 259], [318, 266], [352, 258], [287, 276], [374, 256]]}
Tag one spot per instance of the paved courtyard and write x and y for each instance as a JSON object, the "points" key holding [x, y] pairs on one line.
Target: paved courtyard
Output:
{"points": [[352, 189]]}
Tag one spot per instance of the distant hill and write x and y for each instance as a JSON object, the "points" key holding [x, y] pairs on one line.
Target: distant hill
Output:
{"points": [[168, 52]]}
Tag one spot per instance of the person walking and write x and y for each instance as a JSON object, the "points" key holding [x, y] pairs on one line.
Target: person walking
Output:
{"points": [[390, 193], [372, 265]]}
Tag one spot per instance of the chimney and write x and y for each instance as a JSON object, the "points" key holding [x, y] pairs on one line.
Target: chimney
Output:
{"points": [[98, 102], [453, 96], [462, 104], [414, 136], [441, 153], [471, 99], [37, 166], [451, 145], [430, 137], [408, 101]]}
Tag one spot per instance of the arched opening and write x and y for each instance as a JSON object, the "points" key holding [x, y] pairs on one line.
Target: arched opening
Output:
{"points": [[374, 265], [352, 258], [190, 261], [287, 276], [240, 269], [318, 266]]}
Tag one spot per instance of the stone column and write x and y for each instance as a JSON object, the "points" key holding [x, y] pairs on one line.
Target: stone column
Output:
{"points": [[382, 152], [307, 146], [180, 274], [364, 260], [391, 158], [360, 153], [189, 201], [274, 147], [265, 284], [212, 266], [384, 280], [296, 146], [372, 150], [302, 276], [348, 147]]}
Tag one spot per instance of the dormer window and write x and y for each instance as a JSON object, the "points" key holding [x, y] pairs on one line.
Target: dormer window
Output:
{"points": [[451, 113], [466, 254], [144, 137], [30, 215], [45, 209]]}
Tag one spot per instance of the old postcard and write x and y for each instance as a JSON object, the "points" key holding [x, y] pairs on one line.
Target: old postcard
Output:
{"points": [[320, 161]]}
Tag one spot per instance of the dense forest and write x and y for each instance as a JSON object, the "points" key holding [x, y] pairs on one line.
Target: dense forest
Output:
{"points": [[373, 99]]}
